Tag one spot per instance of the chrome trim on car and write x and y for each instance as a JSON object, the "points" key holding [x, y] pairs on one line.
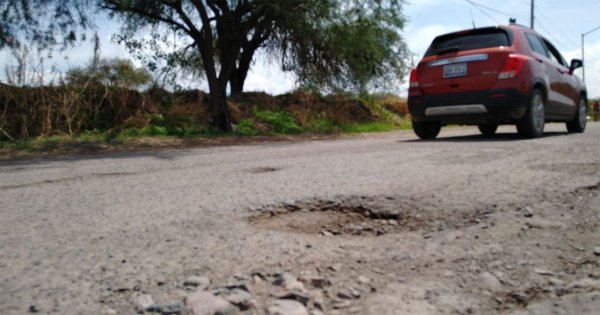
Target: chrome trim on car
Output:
{"points": [[447, 61], [456, 109]]}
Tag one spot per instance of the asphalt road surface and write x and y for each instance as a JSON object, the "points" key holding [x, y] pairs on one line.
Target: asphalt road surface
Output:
{"points": [[369, 224]]}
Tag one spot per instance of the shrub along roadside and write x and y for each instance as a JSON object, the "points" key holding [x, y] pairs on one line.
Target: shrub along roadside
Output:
{"points": [[182, 116]]}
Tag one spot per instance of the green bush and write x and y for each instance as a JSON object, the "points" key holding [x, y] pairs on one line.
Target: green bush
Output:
{"points": [[245, 128], [321, 125], [281, 122]]}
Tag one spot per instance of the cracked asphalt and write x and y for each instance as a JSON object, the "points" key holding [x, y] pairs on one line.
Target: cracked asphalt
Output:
{"points": [[83, 234]]}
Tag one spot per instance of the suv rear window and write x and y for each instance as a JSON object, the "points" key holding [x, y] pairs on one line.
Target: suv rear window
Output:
{"points": [[475, 39]]}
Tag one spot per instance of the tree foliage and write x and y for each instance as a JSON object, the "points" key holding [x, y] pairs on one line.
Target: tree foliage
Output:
{"points": [[45, 23], [116, 73], [337, 44]]}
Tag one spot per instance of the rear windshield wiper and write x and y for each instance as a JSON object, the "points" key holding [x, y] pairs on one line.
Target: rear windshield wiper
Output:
{"points": [[448, 49]]}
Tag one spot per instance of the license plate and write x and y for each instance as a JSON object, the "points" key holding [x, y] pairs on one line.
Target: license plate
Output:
{"points": [[455, 70]]}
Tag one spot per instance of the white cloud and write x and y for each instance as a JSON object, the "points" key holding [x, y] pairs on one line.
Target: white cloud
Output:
{"points": [[592, 66], [419, 39], [268, 78]]}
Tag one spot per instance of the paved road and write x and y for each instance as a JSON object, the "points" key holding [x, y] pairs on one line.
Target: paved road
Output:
{"points": [[86, 235]]}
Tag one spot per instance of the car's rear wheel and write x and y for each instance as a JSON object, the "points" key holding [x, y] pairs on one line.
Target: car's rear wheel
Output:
{"points": [[488, 129], [532, 124], [580, 120], [426, 130]]}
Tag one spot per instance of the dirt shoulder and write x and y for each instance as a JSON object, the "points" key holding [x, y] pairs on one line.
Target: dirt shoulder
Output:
{"points": [[74, 148]]}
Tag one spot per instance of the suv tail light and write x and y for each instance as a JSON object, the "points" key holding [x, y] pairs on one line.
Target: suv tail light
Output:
{"points": [[414, 81], [512, 67]]}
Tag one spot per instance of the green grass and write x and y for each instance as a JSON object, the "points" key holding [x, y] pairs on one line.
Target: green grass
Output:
{"points": [[36, 144], [281, 122], [375, 127], [278, 123]]}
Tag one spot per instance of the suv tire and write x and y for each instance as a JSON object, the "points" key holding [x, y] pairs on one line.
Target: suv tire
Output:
{"points": [[426, 130], [488, 130], [532, 124], [579, 122]]}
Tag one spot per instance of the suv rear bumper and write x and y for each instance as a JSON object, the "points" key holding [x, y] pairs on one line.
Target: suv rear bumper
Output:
{"points": [[490, 106]]}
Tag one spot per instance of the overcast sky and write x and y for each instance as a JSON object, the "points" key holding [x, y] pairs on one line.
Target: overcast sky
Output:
{"points": [[562, 22]]}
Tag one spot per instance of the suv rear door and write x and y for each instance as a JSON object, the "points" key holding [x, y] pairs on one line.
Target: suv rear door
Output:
{"points": [[464, 61], [567, 91], [543, 56]]}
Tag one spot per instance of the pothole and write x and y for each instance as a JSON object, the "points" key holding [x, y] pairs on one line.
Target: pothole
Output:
{"points": [[363, 216]]}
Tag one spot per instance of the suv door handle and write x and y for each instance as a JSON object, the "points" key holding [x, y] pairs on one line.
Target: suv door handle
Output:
{"points": [[539, 60]]}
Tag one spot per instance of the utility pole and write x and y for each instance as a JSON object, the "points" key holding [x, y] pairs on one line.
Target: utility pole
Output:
{"points": [[583, 49], [532, 12]]}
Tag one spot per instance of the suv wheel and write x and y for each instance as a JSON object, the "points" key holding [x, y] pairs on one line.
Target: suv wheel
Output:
{"points": [[426, 130], [532, 124], [488, 129], [580, 120]]}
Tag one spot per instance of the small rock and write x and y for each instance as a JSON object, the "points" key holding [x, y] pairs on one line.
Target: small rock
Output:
{"points": [[240, 298], [528, 212], [296, 296], [286, 307], [341, 304], [318, 301], [347, 294], [363, 280], [295, 286], [519, 297], [257, 280], [205, 303], [336, 267], [143, 301], [319, 282], [326, 233], [196, 281], [490, 282], [284, 278], [233, 286], [165, 309], [597, 251]]}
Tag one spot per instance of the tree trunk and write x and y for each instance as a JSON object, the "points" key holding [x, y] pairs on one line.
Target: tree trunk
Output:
{"points": [[221, 117], [238, 78]]}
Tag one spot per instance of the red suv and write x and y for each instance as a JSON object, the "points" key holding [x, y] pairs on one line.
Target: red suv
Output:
{"points": [[495, 75]]}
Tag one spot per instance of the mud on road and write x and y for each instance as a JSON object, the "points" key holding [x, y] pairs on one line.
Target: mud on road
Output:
{"points": [[376, 224]]}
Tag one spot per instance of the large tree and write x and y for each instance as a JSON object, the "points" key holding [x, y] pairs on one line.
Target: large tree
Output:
{"points": [[332, 43]]}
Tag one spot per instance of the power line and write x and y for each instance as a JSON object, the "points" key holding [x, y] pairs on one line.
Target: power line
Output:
{"points": [[507, 14], [478, 7], [549, 34], [557, 29]]}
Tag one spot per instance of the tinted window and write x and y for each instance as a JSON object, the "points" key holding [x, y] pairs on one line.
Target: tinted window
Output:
{"points": [[555, 55], [535, 43], [476, 39]]}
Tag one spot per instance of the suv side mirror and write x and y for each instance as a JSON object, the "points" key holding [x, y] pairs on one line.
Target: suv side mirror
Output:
{"points": [[575, 64]]}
